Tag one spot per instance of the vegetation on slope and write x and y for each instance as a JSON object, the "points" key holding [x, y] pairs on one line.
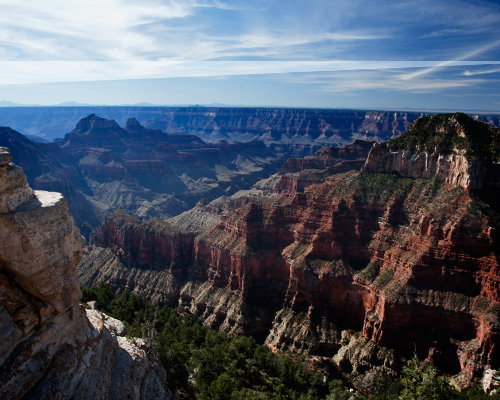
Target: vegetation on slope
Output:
{"points": [[442, 131], [206, 364]]}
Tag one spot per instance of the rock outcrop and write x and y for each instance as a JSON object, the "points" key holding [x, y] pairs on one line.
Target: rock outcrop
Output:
{"points": [[329, 157], [50, 347], [49, 168], [14, 188], [457, 150], [299, 173], [491, 382]]}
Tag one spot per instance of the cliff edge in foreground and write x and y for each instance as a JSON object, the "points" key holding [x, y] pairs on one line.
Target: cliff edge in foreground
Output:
{"points": [[50, 347]]}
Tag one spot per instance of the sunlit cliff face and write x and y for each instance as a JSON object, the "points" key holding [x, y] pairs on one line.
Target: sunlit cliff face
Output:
{"points": [[50, 344]]}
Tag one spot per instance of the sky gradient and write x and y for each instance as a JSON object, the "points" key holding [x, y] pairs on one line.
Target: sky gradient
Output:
{"points": [[430, 55]]}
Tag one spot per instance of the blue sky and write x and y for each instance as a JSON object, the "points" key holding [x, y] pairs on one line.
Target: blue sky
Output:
{"points": [[421, 54]]}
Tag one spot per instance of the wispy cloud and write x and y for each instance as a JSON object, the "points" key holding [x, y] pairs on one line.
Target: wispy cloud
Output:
{"points": [[26, 72], [382, 80], [211, 29], [482, 72], [427, 71], [341, 36], [444, 16], [442, 32], [331, 46], [129, 30], [94, 29], [362, 83]]}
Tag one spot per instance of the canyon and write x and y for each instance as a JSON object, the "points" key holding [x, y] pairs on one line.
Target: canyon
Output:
{"points": [[177, 156], [100, 166], [318, 127], [361, 267], [51, 346], [360, 255]]}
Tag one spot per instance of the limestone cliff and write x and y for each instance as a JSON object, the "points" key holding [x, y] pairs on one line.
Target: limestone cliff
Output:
{"points": [[452, 148], [50, 347]]}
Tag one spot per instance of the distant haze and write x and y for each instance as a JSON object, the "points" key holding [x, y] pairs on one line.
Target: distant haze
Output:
{"points": [[307, 126]]}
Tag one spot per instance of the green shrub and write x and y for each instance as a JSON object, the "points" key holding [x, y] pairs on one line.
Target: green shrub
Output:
{"points": [[423, 382]]}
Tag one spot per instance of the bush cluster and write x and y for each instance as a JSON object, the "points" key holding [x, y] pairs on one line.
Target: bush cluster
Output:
{"points": [[206, 364]]}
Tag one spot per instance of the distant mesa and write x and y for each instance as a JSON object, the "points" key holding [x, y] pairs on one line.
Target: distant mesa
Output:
{"points": [[94, 122], [305, 127]]}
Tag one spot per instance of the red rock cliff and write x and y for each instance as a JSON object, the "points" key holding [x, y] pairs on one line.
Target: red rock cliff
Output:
{"points": [[410, 263], [153, 244]]}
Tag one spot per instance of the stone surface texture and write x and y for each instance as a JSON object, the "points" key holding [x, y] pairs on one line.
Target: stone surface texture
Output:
{"points": [[13, 186], [50, 347], [491, 382]]}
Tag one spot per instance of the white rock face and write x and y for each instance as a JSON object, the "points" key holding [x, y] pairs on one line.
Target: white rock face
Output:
{"points": [[114, 325], [491, 382], [14, 188], [50, 347], [454, 169], [41, 245]]}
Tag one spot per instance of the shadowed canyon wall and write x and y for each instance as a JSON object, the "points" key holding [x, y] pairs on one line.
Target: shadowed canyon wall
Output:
{"points": [[100, 166]]}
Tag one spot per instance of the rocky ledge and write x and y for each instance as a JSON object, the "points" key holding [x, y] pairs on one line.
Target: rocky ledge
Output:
{"points": [[51, 347]]}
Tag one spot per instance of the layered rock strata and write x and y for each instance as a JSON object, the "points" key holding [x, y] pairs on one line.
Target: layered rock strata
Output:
{"points": [[299, 173], [373, 262], [231, 123], [328, 157], [50, 348], [302, 126], [100, 166], [381, 268], [361, 261]]}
